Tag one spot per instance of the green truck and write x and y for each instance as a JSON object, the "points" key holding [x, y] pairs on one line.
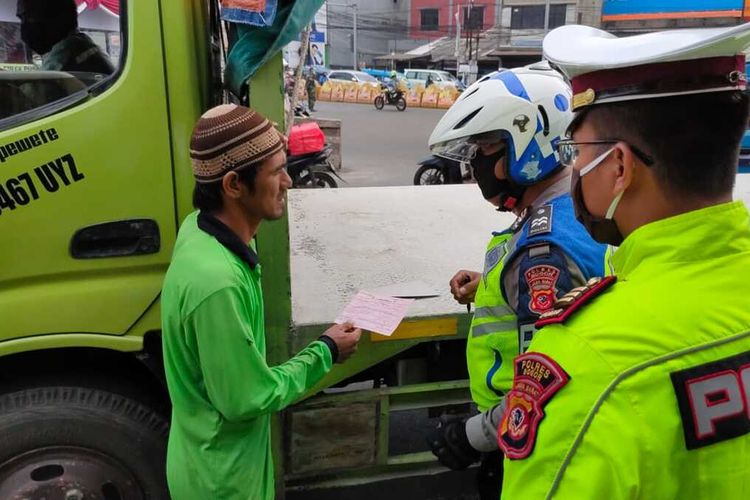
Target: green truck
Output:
{"points": [[94, 180]]}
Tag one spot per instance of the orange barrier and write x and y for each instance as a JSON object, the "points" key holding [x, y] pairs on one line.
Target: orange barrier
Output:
{"points": [[337, 92], [324, 92], [351, 91], [430, 97], [447, 97], [414, 96], [365, 93]]}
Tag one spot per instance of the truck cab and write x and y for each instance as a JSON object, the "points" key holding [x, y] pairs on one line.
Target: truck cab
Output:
{"points": [[95, 180]]}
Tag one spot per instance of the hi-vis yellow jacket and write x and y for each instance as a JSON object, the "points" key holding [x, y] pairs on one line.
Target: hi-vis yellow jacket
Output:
{"points": [[644, 392]]}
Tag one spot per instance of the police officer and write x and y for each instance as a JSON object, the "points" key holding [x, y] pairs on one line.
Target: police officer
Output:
{"points": [[311, 87], [507, 125], [638, 387]]}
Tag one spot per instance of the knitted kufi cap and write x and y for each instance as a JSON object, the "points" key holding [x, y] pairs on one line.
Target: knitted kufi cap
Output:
{"points": [[230, 137]]}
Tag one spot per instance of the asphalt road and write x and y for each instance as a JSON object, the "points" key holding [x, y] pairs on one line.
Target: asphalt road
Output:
{"points": [[380, 148]]}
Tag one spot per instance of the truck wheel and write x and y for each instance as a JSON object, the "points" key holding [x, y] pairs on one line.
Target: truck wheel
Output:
{"points": [[76, 443]]}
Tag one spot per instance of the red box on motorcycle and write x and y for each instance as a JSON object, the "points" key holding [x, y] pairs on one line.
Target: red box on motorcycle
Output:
{"points": [[306, 138]]}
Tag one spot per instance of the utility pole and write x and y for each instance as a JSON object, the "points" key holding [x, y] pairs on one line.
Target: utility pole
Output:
{"points": [[458, 39], [356, 58], [469, 28], [303, 48], [546, 17]]}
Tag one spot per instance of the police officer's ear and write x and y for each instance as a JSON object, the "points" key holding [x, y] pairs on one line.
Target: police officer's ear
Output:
{"points": [[624, 169]]}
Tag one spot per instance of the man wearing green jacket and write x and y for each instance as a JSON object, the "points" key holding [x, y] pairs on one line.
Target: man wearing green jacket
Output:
{"points": [[637, 386], [223, 392]]}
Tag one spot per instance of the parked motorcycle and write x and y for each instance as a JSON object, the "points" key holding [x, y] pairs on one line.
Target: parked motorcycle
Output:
{"points": [[309, 158], [394, 97], [312, 170], [438, 170], [301, 111]]}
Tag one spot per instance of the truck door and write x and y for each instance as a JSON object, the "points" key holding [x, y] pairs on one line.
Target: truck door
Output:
{"points": [[86, 192]]}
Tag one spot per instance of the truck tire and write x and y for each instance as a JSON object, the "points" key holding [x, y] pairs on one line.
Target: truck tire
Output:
{"points": [[80, 443]]}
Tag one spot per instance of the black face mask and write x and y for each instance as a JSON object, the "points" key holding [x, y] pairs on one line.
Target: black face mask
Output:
{"points": [[601, 229], [491, 186]]}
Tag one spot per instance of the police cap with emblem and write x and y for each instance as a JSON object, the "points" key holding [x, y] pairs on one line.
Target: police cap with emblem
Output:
{"points": [[603, 68]]}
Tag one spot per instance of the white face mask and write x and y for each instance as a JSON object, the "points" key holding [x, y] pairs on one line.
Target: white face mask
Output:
{"points": [[603, 230]]}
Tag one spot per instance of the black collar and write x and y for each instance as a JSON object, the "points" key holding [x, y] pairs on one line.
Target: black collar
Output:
{"points": [[213, 226]]}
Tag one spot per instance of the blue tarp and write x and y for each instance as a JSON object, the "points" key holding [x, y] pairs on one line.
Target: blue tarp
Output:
{"points": [[252, 46]]}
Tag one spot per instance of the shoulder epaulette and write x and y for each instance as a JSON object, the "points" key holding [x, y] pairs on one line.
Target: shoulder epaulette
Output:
{"points": [[541, 221], [569, 303]]}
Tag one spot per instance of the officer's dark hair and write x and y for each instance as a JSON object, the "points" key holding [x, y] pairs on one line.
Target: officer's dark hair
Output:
{"points": [[208, 197], [693, 140]]}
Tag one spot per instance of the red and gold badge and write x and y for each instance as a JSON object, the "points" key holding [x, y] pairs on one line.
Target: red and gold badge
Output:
{"points": [[542, 281], [537, 378]]}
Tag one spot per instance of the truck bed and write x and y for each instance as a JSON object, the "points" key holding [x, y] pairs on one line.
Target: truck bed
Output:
{"points": [[345, 240]]}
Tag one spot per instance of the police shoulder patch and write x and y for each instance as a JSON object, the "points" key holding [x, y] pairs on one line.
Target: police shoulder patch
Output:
{"points": [[541, 221], [572, 301], [542, 283], [536, 379]]}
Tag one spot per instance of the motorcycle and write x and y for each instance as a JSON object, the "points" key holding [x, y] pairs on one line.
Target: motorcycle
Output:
{"points": [[309, 157], [438, 170], [394, 97], [312, 170], [301, 111]]}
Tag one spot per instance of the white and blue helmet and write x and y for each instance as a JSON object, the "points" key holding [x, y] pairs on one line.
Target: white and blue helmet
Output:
{"points": [[528, 107]]}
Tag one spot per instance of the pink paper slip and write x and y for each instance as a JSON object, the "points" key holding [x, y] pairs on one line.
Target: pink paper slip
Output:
{"points": [[375, 313]]}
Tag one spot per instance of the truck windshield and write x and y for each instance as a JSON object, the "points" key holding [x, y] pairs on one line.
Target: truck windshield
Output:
{"points": [[63, 53]]}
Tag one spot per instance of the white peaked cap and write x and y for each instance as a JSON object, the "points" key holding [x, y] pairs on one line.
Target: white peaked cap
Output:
{"points": [[604, 68]]}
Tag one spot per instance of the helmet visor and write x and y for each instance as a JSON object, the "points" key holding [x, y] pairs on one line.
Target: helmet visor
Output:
{"points": [[465, 149], [460, 150]]}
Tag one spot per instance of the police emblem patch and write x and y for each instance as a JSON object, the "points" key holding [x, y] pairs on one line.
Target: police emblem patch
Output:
{"points": [[537, 378], [493, 257], [542, 281], [491, 260]]}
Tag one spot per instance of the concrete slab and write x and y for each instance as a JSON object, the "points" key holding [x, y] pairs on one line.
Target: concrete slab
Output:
{"points": [[344, 240]]}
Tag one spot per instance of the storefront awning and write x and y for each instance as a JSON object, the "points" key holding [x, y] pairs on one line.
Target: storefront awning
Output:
{"points": [[111, 6]]}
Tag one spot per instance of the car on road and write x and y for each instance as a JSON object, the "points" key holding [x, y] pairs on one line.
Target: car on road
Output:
{"points": [[439, 77], [351, 76]]}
